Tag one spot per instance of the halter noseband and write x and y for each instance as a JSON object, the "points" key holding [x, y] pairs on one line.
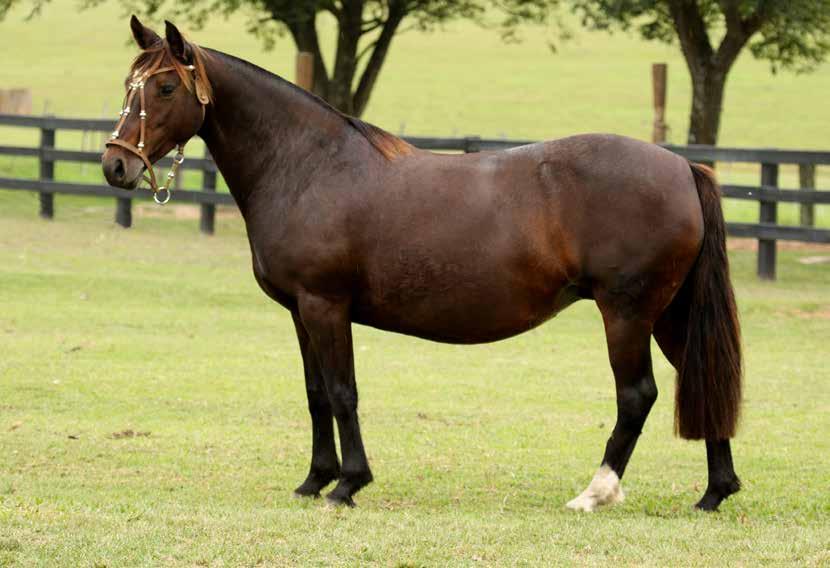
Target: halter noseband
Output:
{"points": [[137, 86]]}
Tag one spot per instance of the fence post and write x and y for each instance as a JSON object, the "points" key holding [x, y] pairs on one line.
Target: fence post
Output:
{"points": [[807, 181], [207, 219], [768, 214], [305, 70], [658, 82], [124, 211], [47, 172], [472, 144]]}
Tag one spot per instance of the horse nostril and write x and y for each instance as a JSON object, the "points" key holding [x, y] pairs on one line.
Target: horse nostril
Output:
{"points": [[118, 171]]}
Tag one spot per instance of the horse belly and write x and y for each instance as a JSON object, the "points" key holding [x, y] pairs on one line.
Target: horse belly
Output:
{"points": [[475, 309]]}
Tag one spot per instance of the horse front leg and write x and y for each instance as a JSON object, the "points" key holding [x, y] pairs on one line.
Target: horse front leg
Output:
{"points": [[329, 328], [325, 467]]}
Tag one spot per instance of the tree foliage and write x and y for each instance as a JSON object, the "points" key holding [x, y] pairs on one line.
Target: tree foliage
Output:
{"points": [[793, 34], [365, 31], [789, 34]]}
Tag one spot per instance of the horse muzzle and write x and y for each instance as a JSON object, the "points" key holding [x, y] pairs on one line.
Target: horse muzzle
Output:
{"points": [[121, 170]]}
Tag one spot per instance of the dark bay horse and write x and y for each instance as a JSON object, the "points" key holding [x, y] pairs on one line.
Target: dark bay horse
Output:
{"points": [[348, 223]]}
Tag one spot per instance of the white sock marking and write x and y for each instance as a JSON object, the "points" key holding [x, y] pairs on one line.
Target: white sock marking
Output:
{"points": [[604, 489]]}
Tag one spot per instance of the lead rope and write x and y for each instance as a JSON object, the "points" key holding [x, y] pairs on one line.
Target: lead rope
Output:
{"points": [[137, 86]]}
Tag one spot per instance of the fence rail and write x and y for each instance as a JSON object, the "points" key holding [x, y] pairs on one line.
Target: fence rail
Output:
{"points": [[767, 193]]}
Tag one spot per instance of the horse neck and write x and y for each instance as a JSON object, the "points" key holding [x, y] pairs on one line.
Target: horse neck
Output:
{"points": [[266, 136]]}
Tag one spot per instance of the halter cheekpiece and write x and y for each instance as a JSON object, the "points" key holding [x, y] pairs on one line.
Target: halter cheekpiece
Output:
{"points": [[137, 83]]}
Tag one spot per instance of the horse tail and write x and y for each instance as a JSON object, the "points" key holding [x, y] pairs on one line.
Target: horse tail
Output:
{"points": [[708, 398]]}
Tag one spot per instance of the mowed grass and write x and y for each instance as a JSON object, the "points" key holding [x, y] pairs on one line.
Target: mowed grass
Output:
{"points": [[162, 332]]}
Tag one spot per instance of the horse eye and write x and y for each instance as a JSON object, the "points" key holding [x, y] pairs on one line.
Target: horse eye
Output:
{"points": [[167, 89]]}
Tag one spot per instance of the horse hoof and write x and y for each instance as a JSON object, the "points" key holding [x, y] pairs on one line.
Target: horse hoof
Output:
{"points": [[340, 501], [716, 493], [315, 482], [605, 489], [300, 493], [709, 503], [582, 503]]}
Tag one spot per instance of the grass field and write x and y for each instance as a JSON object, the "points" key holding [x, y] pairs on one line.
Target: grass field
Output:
{"points": [[161, 332], [152, 408]]}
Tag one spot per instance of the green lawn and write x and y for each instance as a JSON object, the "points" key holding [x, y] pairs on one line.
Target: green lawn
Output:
{"points": [[162, 332]]}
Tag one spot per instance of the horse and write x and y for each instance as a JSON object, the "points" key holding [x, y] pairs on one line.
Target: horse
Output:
{"points": [[348, 223]]}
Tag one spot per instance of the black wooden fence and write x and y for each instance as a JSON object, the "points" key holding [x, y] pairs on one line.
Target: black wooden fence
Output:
{"points": [[767, 194]]}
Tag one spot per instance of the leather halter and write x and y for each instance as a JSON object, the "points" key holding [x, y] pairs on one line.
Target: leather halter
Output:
{"points": [[137, 86]]}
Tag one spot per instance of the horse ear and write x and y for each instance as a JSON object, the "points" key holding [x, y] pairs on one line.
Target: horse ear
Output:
{"points": [[144, 36], [178, 46]]}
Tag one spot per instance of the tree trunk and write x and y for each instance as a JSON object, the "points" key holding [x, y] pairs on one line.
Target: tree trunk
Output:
{"points": [[305, 38], [708, 86], [349, 24], [341, 89], [376, 60]]}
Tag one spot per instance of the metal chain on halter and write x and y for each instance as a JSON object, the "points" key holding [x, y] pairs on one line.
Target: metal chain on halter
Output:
{"points": [[139, 80]]}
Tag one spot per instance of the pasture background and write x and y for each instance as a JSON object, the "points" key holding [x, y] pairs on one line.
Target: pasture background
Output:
{"points": [[460, 81], [475, 450], [463, 80]]}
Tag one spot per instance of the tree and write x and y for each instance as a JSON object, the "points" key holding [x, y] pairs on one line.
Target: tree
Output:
{"points": [[365, 30], [790, 34]]}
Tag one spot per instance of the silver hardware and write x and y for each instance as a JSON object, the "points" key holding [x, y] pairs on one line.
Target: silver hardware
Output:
{"points": [[115, 134], [126, 110], [171, 175], [161, 201], [142, 115], [140, 145]]}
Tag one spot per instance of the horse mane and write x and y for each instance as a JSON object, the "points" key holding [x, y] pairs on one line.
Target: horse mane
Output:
{"points": [[161, 50], [387, 144]]}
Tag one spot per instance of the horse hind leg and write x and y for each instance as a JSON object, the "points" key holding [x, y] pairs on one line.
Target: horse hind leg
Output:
{"points": [[628, 339], [670, 333]]}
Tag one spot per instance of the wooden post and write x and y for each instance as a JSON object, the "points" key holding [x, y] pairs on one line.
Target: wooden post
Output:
{"points": [[472, 144], [47, 172], [124, 211], [207, 219], [15, 101], [658, 82], [807, 181], [768, 214], [305, 70]]}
